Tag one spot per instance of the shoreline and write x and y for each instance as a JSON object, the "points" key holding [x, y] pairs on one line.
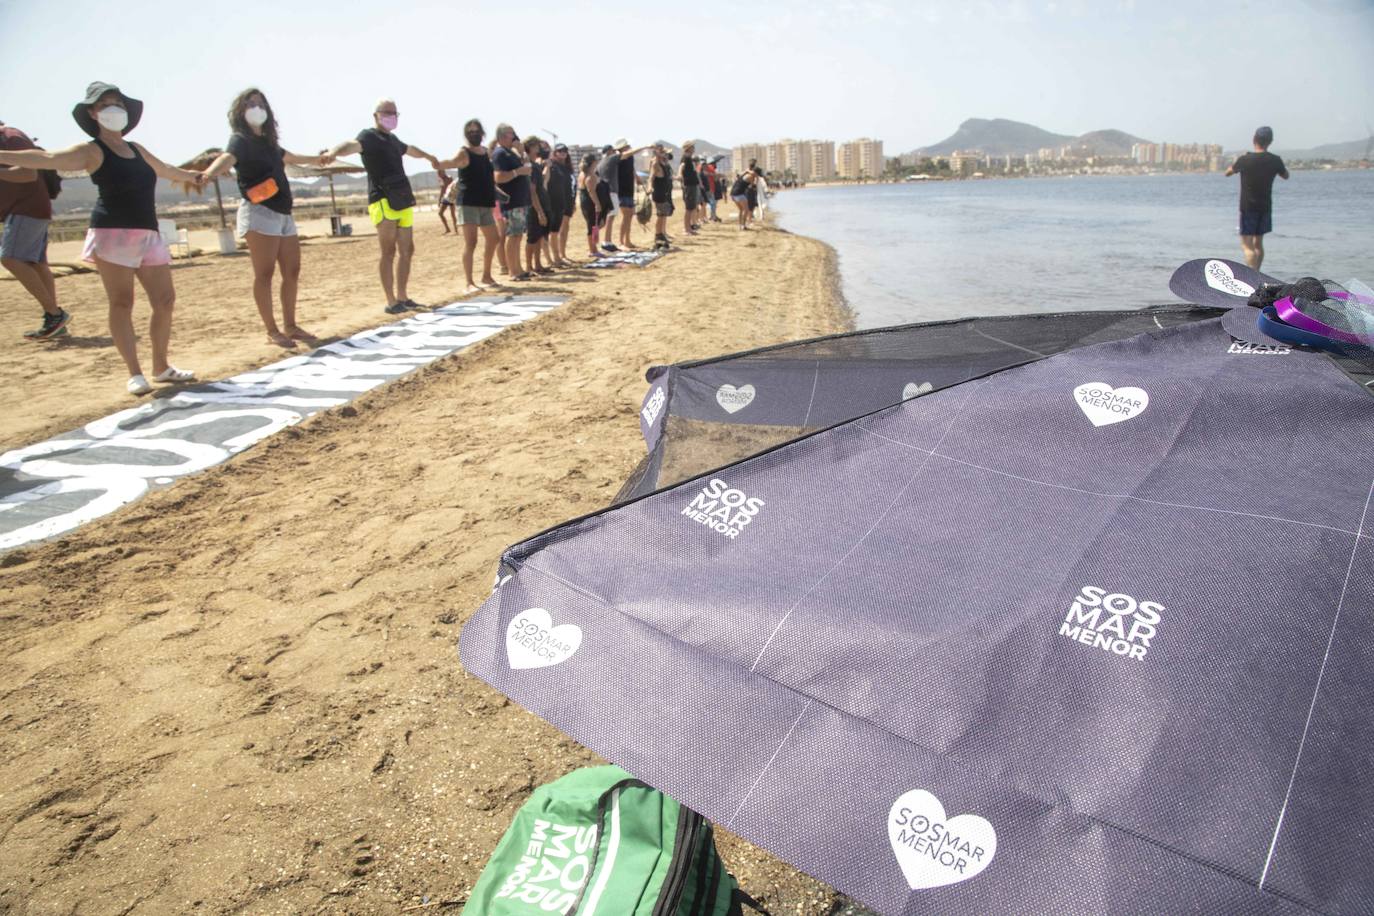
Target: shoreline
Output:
{"points": [[242, 691]]}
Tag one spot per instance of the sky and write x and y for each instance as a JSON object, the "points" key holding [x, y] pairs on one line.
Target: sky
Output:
{"points": [[907, 73]]}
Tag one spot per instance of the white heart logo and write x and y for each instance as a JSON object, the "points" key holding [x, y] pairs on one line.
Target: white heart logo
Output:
{"points": [[532, 641], [1105, 405], [934, 851], [913, 390], [1219, 276], [732, 399]]}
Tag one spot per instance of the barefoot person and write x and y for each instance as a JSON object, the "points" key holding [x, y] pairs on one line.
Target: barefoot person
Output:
{"points": [[537, 226], [123, 241], [1257, 170], [562, 200], [739, 193], [628, 180], [476, 201], [390, 200], [513, 185], [661, 190], [26, 209], [588, 182], [446, 205], [264, 217], [691, 188]]}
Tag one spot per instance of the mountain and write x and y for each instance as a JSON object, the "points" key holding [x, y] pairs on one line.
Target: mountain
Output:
{"points": [[1109, 143], [1350, 149], [996, 137], [1001, 137]]}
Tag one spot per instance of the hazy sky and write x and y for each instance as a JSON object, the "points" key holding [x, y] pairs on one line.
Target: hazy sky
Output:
{"points": [[907, 73]]}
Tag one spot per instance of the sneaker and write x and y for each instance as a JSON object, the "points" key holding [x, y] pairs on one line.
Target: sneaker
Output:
{"points": [[398, 308], [607, 246], [52, 324]]}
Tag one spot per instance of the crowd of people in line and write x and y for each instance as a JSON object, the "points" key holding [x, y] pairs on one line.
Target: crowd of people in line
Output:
{"points": [[519, 196]]}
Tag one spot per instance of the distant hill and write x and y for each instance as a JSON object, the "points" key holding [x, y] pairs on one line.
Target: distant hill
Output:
{"points": [[1350, 149], [1001, 137], [996, 137], [1112, 143]]}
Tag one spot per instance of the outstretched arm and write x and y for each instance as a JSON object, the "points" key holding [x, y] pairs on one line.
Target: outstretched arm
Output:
{"points": [[297, 159], [223, 163], [459, 160], [421, 154], [84, 157], [169, 172], [346, 148]]}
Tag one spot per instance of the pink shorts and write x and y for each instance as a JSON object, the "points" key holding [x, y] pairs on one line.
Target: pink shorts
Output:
{"points": [[126, 247]]}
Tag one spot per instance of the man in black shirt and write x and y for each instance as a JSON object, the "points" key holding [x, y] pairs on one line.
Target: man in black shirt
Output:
{"points": [[390, 200], [513, 190], [1257, 171]]}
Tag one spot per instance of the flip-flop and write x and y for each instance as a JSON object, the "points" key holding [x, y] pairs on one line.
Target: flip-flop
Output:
{"points": [[281, 340], [303, 336], [173, 374]]}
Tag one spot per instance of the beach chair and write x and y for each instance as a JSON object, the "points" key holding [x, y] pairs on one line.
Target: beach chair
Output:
{"points": [[174, 237]]}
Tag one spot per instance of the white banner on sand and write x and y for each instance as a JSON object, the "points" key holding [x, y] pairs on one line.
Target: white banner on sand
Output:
{"points": [[50, 488]]}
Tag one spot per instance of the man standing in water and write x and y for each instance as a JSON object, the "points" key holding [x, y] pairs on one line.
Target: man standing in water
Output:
{"points": [[1257, 171], [390, 200]]}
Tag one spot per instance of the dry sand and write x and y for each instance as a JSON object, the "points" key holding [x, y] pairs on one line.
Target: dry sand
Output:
{"points": [[241, 693]]}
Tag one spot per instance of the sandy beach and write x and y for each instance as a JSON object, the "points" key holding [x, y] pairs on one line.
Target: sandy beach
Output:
{"points": [[241, 693]]}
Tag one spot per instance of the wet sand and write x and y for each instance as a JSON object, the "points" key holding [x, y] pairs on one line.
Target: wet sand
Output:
{"points": [[241, 693]]}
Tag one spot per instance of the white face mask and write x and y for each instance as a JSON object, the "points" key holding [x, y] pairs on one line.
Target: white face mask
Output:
{"points": [[113, 118], [255, 116]]}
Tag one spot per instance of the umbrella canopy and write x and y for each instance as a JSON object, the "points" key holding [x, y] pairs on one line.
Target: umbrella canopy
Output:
{"points": [[200, 163], [1077, 620]]}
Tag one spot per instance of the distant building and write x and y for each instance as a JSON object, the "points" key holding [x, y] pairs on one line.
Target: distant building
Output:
{"points": [[964, 162], [822, 160], [740, 156], [862, 158]]}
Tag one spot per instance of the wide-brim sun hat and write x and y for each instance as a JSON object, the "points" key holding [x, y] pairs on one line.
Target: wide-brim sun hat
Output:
{"points": [[621, 143], [93, 93]]}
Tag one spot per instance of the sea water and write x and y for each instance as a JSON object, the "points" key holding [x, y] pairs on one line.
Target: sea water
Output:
{"points": [[924, 251]]}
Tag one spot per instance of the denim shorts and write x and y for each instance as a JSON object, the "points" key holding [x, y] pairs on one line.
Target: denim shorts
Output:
{"points": [[264, 221], [627, 201], [475, 216], [516, 220], [25, 239]]}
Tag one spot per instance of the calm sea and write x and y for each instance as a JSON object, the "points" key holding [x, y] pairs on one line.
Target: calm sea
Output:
{"points": [[927, 251]]}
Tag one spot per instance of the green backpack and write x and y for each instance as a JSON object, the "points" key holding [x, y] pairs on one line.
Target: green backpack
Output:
{"points": [[599, 842]]}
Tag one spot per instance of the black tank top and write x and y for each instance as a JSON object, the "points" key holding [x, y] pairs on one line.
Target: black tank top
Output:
{"points": [[663, 186], [739, 188], [477, 182], [689, 174], [125, 192]]}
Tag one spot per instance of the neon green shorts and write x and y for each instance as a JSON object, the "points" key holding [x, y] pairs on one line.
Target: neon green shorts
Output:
{"points": [[381, 210]]}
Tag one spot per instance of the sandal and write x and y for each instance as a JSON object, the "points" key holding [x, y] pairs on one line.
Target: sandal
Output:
{"points": [[173, 374], [281, 340], [303, 336], [138, 385], [524, 276]]}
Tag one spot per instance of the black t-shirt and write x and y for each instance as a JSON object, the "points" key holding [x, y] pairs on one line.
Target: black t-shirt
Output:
{"points": [[560, 186], [537, 176], [1257, 171], [517, 190], [257, 159], [383, 159], [627, 176]]}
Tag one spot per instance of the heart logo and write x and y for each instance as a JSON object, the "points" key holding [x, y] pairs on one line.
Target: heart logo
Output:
{"points": [[732, 399], [913, 390], [934, 850], [532, 641], [1220, 276], [1105, 405]]}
